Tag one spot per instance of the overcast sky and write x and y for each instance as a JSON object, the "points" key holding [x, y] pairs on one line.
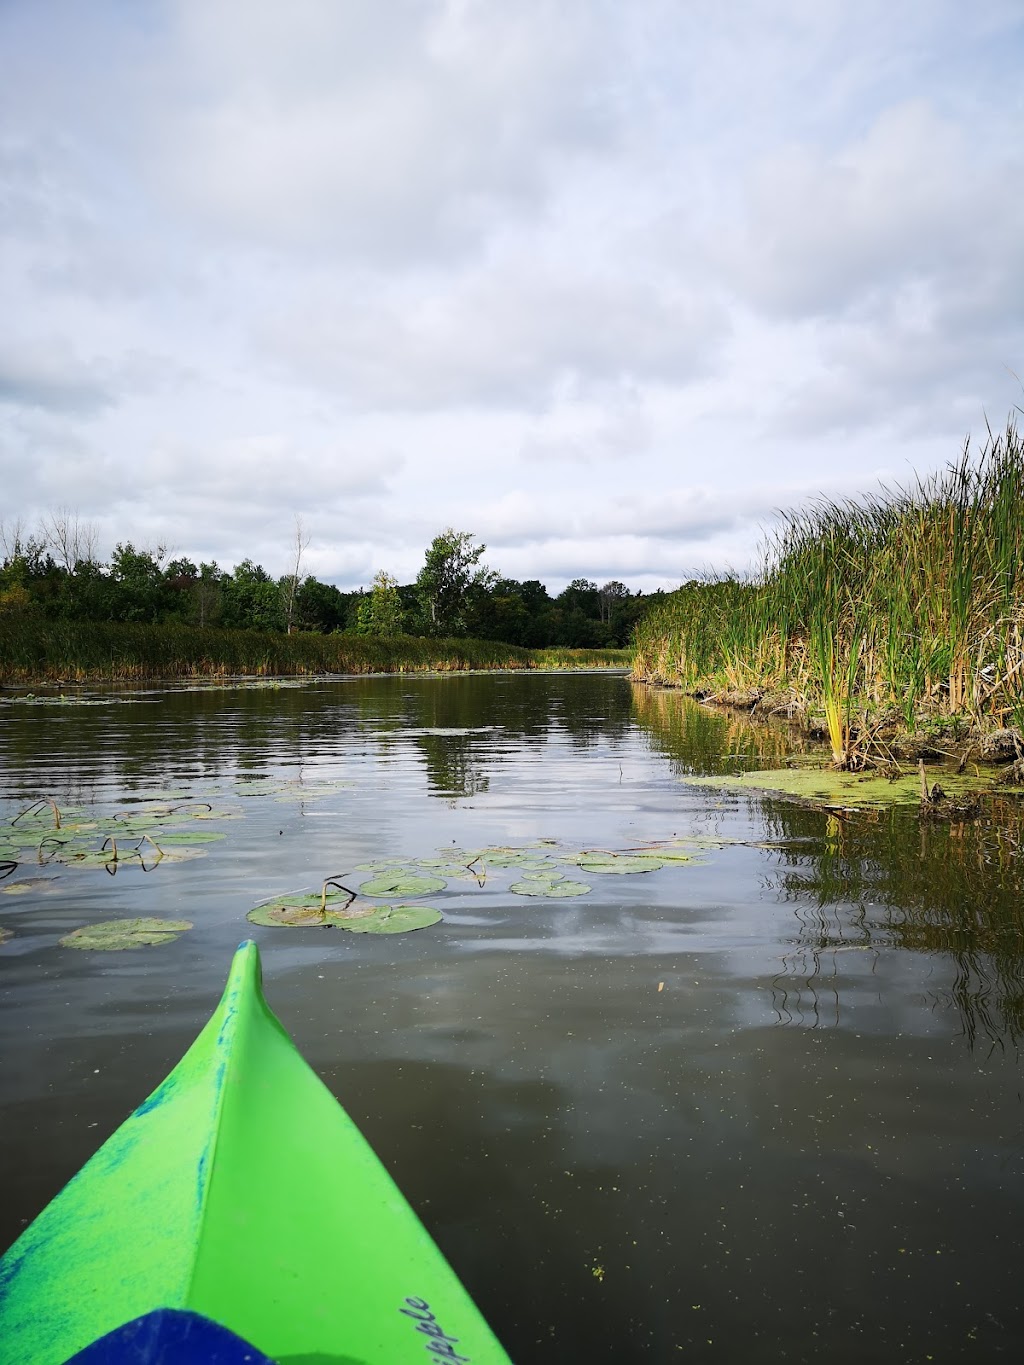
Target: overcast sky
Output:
{"points": [[603, 283]]}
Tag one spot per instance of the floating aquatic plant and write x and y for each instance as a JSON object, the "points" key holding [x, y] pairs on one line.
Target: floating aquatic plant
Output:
{"points": [[598, 861], [144, 836], [402, 884], [333, 911], [338, 907], [285, 789], [24, 887], [827, 787], [116, 935], [396, 919], [539, 869], [30, 699], [549, 887], [188, 838]]}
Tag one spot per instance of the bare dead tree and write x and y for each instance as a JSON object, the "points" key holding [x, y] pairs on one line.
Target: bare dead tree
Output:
{"points": [[14, 535], [69, 539], [291, 585]]}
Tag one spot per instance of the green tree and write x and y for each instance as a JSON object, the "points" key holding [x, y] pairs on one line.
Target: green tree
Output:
{"points": [[610, 597], [448, 575], [321, 606], [138, 583], [208, 595], [380, 611], [251, 599]]}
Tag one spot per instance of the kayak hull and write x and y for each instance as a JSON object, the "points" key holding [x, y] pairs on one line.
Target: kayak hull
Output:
{"points": [[239, 1190]]}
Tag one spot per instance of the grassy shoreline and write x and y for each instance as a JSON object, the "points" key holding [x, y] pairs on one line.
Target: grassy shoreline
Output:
{"points": [[37, 652], [892, 622]]}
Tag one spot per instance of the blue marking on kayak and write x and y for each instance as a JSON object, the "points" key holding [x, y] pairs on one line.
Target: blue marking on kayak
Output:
{"points": [[160, 1095], [170, 1336]]}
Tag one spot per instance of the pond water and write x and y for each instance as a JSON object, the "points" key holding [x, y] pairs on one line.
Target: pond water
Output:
{"points": [[762, 1105]]}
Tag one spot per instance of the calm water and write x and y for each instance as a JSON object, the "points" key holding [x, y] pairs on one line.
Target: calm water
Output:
{"points": [[764, 1106]]}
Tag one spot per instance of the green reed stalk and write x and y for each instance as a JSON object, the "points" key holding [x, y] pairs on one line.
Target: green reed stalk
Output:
{"points": [[912, 598]]}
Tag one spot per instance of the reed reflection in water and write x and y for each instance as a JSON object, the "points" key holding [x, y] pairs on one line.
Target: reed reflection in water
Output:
{"points": [[864, 882]]}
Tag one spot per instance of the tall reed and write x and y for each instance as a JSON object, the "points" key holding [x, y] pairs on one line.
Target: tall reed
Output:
{"points": [[33, 651], [912, 597]]}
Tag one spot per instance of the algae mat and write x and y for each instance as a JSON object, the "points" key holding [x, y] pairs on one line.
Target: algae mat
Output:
{"points": [[826, 787]]}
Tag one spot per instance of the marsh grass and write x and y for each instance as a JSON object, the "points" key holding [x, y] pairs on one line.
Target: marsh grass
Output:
{"points": [[33, 651], [911, 598]]}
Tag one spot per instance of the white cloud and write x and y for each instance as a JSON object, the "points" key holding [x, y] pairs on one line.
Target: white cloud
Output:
{"points": [[601, 284], [47, 373], [833, 229], [392, 132]]}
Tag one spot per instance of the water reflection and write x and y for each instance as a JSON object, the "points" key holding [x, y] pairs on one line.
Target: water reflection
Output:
{"points": [[863, 882], [886, 879], [705, 740], [145, 739], [721, 1112]]}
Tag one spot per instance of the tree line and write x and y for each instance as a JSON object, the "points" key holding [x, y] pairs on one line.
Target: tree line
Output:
{"points": [[54, 573]]}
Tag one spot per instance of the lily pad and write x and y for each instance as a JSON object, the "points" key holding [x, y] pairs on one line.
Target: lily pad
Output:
{"points": [[115, 935], [189, 837], [507, 858], [383, 865], [312, 911], [450, 871], [465, 856], [396, 919], [619, 863], [402, 884], [565, 886], [73, 853]]}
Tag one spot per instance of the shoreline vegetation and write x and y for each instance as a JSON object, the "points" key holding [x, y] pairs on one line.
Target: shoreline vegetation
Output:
{"points": [[34, 652], [890, 624]]}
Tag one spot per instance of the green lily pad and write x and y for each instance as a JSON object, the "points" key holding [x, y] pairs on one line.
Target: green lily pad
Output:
{"points": [[383, 865], [450, 871], [396, 919], [565, 886], [620, 863], [402, 884], [505, 858], [300, 912], [115, 935], [188, 838], [181, 853], [73, 853]]}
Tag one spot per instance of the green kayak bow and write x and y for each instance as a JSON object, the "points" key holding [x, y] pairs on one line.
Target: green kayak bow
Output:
{"points": [[241, 1196]]}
